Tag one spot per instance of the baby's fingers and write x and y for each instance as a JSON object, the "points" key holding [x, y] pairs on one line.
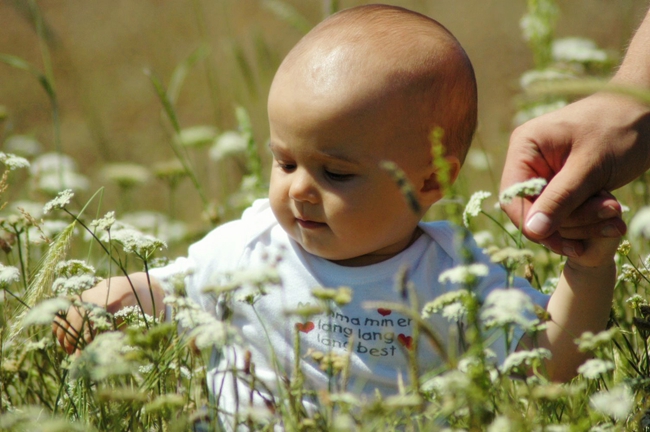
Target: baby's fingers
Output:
{"points": [[597, 216], [609, 228], [69, 329]]}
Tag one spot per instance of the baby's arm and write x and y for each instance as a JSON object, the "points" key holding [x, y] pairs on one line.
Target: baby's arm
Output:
{"points": [[114, 294], [581, 302]]}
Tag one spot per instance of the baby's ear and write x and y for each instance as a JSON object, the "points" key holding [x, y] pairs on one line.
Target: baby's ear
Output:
{"points": [[432, 189]]}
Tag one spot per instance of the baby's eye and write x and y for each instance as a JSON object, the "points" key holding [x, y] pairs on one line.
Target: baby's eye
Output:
{"points": [[338, 177], [287, 167]]}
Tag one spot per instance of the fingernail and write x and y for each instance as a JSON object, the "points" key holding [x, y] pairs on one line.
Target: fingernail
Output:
{"points": [[610, 230], [608, 212], [569, 251], [539, 224]]}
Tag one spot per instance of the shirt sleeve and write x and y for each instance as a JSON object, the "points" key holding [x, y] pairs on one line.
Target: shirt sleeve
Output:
{"points": [[459, 244]]}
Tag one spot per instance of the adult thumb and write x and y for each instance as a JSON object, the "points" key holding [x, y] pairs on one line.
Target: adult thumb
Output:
{"points": [[566, 191]]}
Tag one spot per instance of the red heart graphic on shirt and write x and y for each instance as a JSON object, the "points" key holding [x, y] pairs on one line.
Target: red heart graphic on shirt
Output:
{"points": [[306, 327], [406, 341], [384, 312]]}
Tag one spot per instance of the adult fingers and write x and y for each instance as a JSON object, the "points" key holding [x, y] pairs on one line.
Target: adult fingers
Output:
{"points": [[568, 190]]}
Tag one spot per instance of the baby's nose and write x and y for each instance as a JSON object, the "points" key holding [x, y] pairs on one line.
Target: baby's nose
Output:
{"points": [[303, 187]]}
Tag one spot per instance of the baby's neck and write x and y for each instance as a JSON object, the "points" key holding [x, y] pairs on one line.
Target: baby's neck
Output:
{"points": [[377, 257]]}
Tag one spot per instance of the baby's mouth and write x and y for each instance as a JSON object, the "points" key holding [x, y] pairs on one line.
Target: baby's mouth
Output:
{"points": [[310, 224]]}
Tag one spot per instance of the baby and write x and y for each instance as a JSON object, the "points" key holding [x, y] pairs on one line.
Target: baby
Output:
{"points": [[367, 85]]}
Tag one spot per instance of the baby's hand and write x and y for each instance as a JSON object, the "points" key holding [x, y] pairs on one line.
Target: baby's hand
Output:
{"points": [[113, 294], [599, 239], [74, 329]]}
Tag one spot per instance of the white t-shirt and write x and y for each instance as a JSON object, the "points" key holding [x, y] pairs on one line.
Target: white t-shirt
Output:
{"points": [[256, 245]]}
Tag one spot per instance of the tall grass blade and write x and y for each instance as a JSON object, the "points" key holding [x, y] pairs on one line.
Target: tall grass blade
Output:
{"points": [[586, 87], [288, 14], [181, 71], [245, 67], [173, 118], [42, 283]]}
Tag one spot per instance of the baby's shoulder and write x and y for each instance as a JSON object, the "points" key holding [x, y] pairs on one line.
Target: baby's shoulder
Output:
{"points": [[450, 237], [229, 240]]}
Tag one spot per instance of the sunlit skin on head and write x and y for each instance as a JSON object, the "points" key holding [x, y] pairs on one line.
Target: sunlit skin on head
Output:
{"points": [[365, 86]]}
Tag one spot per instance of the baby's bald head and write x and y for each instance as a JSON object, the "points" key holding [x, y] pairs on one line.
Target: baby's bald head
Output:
{"points": [[390, 59]]}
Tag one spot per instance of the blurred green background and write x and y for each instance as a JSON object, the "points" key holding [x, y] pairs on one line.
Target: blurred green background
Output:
{"points": [[110, 112]]}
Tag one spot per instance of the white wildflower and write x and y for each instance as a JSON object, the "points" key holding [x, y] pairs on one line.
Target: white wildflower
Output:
{"points": [[509, 306], [229, 143], [197, 136], [530, 358], [103, 358], [171, 171], [464, 274], [133, 240], [214, 334], [39, 345], [470, 364], [450, 303], [126, 174], [473, 207], [61, 200], [478, 159], [500, 424], [636, 300], [629, 273], [640, 224], [538, 25], [13, 162], [531, 112], [145, 369], [549, 285], [188, 313], [591, 342], [52, 162], [23, 145], [483, 238], [616, 403], [532, 187], [73, 285], [73, 268], [250, 283], [556, 428], [184, 371], [134, 317], [35, 209], [578, 50], [105, 223], [535, 76], [157, 224], [451, 382], [53, 182], [594, 368], [49, 229], [45, 311], [8, 275]]}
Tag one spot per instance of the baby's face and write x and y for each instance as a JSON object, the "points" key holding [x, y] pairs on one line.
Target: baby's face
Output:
{"points": [[327, 190]]}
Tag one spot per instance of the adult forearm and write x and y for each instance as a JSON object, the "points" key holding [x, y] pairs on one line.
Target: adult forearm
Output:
{"points": [[635, 68]]}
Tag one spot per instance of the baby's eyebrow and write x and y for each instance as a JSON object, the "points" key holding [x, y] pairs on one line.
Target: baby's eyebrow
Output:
{"points": [[331, 156], [338, 157]]}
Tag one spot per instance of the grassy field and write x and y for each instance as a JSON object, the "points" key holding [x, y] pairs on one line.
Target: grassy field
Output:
{"points": [[156, 110]]}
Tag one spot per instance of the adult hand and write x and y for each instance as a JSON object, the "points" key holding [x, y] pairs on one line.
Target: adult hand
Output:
{"points": [[599, 143]]}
